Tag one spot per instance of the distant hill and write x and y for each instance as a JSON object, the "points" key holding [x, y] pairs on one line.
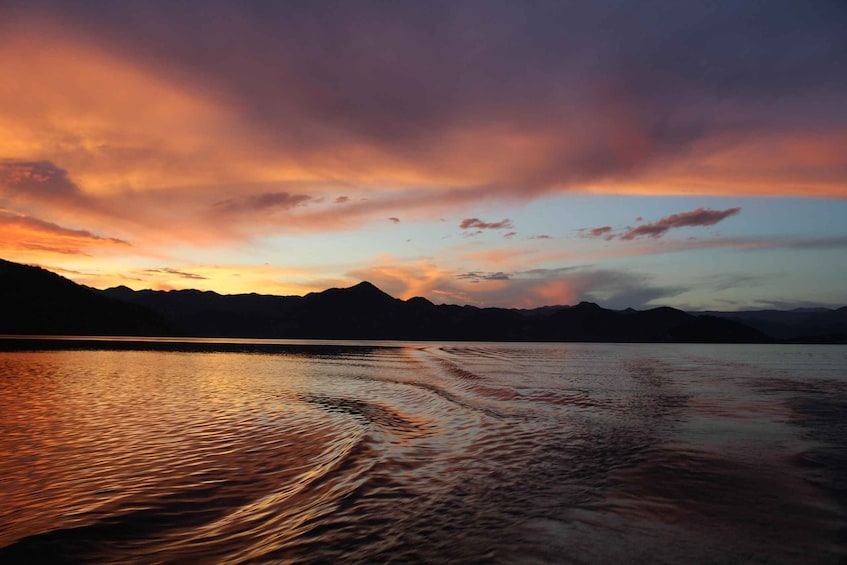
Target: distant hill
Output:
{"points": [[810, 325], [37, 301], [366, 312]]}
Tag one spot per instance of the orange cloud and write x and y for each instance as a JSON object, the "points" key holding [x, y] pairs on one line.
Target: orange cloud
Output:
{"points": [[784, 164], [107, 137], [21, 232], [113, 124], [556, 292], [526, 289], [409, 280], [121, 118]]}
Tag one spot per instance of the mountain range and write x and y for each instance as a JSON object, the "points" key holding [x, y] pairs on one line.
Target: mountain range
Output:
{"points": [[37, 301]]}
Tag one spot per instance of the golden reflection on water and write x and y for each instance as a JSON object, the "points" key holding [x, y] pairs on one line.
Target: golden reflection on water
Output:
{"points": [[83, 433], [425, 452]]}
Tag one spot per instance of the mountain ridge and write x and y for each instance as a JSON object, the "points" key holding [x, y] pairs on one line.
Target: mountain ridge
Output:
{"points": [[53, 304]]}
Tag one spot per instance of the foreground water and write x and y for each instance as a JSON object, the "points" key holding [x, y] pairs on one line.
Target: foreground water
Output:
{"points": [[429, 452]]}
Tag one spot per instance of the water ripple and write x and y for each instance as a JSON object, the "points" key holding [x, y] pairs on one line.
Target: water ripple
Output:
{"points": [[422, 452]]}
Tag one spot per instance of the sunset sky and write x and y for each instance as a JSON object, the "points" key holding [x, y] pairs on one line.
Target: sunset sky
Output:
{"points": [[690, 154]]}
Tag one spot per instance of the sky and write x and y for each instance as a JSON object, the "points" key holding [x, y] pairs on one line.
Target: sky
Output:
{"points": [[515, 154]]}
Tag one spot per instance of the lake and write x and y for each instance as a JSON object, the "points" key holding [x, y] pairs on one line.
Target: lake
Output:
{"points": [[233, 451]]}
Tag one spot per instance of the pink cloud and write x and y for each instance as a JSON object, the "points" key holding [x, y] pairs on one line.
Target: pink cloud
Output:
{"points": [[26, 233]]}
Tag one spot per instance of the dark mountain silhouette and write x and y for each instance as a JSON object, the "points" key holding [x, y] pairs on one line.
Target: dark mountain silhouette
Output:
{"points": [[37, 301], [209, 314]]}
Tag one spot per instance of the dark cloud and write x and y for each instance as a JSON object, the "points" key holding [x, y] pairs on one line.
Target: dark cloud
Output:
{"points": [[181, 274], [836, 242], [260, 202], [54, 248], [550, 273], [570, 285], [394, 220], [475, 276], [633, 294], [63, 270], [617, 289], [655, 230], [39, 180], [730, 281], [342, 199], [476, 223], [698, 217], [598, 232], [795, 304], [510, 234], [525, 289]]}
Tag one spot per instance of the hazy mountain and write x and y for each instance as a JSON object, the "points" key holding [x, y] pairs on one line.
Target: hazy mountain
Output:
{"points": [[37, 301], [820, 325]]}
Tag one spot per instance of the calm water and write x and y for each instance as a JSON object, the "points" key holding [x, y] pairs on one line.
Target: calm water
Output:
{"points": [[431, 452]]}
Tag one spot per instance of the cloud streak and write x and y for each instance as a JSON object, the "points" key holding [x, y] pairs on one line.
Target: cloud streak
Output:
{"points": [[13, 220], [701, 217], [178, 273], [698, 217], [476, 223], [22, 232], [260, 202], [475, 276]]}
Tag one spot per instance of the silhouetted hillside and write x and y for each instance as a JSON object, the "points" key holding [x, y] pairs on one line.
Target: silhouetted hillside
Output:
{"points": [[361, 310], [37, 301], [365, 312], [590, 322], [40, 302], [209, 314]]}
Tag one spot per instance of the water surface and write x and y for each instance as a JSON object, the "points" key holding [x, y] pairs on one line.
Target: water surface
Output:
{"points": [[225, 451]]}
